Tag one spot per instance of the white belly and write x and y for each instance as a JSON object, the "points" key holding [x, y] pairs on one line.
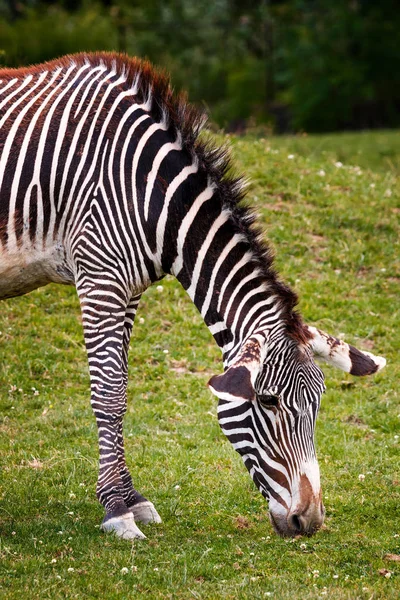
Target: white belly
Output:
{"points": [[24, 271]]}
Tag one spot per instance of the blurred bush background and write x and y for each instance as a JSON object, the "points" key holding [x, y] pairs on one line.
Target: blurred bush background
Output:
{"points": [[291, 65]]}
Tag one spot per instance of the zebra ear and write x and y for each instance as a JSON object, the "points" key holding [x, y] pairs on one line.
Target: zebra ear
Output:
{"points": [[342, 355], [237, 383], [234, 384]]}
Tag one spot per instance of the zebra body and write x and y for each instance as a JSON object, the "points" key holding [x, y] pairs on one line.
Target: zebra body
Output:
{"points": [[106, 185]]}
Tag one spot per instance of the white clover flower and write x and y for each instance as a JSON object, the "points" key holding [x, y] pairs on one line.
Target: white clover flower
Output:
{"points": [[290, 156], [388, 574], [361, 477], [321, 173], [124, 570], [338, 164], [141, 320], [70, 569], [160, 289], [53, 560], [388, 193], [335, 576]]}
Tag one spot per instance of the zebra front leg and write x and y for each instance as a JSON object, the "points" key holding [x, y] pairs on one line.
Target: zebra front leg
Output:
{"points": [[103, 323], [143, 510]]}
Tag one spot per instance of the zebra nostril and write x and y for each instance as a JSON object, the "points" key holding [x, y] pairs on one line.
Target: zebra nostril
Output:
{"points": [[295, 523]]}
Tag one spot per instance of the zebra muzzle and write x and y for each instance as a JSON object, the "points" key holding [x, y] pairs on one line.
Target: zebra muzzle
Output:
{"points": [[306, 512], [298, 521]]}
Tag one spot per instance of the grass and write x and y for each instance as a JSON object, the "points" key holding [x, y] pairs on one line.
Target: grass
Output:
{"points": [[336, 234], [376, 150]]}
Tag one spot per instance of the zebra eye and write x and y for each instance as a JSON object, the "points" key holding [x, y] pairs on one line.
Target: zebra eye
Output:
{"points": [[268, 400]]}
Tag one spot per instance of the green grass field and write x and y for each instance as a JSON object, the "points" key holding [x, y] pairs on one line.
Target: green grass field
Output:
{"points": [[330, 206]]}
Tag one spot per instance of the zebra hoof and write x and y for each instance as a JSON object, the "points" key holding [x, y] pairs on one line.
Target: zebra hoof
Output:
{"points": [[145, 512], [123, 526]]}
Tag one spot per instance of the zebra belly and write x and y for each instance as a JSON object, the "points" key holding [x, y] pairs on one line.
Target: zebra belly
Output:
{"points": [[21, 273]]}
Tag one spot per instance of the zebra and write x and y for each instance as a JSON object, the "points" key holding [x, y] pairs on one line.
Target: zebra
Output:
{"points": [[108, 182]]}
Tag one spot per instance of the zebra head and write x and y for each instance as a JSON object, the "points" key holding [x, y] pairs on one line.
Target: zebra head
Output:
{"points": [[268, 404]]}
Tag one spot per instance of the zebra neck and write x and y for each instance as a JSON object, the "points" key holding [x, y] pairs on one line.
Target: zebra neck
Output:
{"points": [[236, 300]]}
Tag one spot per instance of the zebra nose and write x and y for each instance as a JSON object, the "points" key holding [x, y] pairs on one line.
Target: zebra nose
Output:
{"points": [[298, 521], [306, 522]]}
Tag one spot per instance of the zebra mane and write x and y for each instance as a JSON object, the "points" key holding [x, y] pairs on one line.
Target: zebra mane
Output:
{"points": [[152, 87]]}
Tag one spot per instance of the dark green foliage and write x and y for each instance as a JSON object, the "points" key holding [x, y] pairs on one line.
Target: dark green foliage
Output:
{"points": [[341, 64]]}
